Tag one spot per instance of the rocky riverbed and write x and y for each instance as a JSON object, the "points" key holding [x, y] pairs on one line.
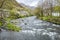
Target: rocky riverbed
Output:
{"points": [[32, 29]]}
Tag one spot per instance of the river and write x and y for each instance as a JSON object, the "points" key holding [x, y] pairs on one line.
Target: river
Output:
{"points": [[32, 29]]}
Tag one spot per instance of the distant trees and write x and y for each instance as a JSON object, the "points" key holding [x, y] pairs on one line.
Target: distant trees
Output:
{"points": [[38, 11], [57, 9], [58, 1], [47, 8], [51, 7]]}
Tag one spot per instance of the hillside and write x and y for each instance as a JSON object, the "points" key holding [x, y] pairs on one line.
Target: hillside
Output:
{"points": [[14, 6], [9, 10], [9, 4]]}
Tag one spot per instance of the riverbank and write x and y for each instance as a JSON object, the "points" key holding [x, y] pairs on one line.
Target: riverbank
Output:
{"points": [[53, 19]]}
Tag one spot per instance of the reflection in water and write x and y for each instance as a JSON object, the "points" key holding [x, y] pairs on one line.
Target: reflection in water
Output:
{"points": [[33, 30]]}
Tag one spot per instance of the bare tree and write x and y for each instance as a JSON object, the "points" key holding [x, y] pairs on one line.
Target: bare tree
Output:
{"points": [[50, 4]]}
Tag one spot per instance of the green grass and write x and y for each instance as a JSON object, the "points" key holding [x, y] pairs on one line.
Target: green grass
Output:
{"points": [[52, 19], [9, 25], [12, 27]]}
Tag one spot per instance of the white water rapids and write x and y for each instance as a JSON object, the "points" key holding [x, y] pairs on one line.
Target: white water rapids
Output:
{"points": [[32, 29]]}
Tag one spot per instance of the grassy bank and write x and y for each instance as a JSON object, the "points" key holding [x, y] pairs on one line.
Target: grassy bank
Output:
{"points": [[53, 19], [8, 25]]}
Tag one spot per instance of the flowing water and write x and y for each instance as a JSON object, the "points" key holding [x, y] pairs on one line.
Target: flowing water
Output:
{"points": [[32, 29]]}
